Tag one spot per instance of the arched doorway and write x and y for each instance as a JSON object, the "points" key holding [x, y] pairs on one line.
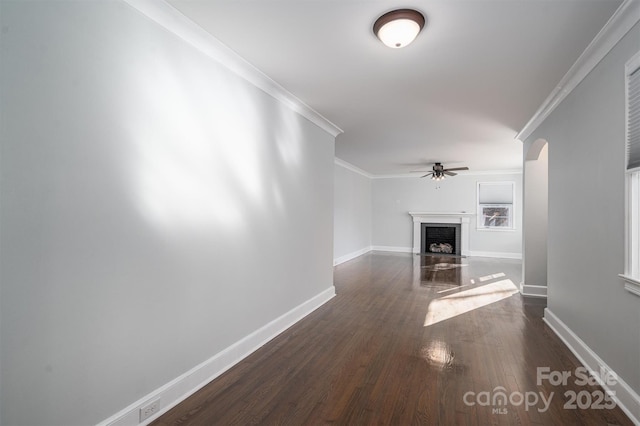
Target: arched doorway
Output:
{"points": [[535, 218]]}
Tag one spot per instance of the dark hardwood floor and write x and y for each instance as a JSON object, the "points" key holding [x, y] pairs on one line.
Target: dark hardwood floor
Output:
{"points": [[407, 340]]}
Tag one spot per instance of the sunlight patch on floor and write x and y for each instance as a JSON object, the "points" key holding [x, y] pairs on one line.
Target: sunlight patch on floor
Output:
{"points": [[466, 301], [454, 288], [491, 277]]}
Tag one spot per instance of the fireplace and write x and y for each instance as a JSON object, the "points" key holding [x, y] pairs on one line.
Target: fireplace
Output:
{"points": [[440, 238], [442, 219]]}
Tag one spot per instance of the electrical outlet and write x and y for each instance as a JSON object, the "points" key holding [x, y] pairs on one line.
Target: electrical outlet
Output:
{"points": [[149, 410]]}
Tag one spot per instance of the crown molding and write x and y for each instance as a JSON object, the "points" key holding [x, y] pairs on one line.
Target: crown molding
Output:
{"points": [[353, 168], [396, 176], [625, 17], [175, 22], [490, 172]]}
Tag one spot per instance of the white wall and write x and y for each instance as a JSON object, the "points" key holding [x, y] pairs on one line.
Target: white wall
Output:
{"points": [[156, 208], [536, 200], [586, 138], [393, 198], [352, 214]]}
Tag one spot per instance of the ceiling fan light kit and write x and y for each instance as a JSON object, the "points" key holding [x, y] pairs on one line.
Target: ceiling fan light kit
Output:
{"points": [[399, 28]]}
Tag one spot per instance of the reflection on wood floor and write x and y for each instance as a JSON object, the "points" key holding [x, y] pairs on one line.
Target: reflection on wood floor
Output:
{"points": [[441, 270], [407, 340]]}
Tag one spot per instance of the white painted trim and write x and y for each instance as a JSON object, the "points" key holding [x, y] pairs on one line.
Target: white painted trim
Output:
{"points": [[497, 229], [496, 254], [490, 172], [512, 208], [175, 22], [625, 397], [188, 383], [427, 215], [631, 285], [441, 217], [398, 176], [460, 173], [631, 202], [347, 257], [618, 25], [351, 167], [392, 249], [528, 290]]}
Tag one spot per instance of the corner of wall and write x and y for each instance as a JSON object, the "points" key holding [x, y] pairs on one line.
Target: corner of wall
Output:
{"points": [[538, 291]]}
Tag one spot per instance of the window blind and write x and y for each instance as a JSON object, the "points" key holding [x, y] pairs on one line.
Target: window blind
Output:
{"points": [[633, 119], [495, 193]]}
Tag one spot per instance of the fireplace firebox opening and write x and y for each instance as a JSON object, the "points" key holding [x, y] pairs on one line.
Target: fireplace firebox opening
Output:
{"points": [[440, 238]]}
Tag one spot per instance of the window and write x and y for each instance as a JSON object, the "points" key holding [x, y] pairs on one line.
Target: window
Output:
{"points": [[632, 261], [495, 205]]}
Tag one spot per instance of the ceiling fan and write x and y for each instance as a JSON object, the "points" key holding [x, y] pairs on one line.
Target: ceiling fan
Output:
{"points": [[439, 172]]}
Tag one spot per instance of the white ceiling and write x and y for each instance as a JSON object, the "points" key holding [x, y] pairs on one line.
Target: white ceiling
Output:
{"points": [[459, 94]]}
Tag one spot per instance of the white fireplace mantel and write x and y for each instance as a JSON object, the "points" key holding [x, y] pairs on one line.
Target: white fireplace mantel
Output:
{"points": [[462, 218]]}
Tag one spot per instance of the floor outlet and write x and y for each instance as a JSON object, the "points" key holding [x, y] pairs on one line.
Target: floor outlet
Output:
{"points": [[149, 410]]}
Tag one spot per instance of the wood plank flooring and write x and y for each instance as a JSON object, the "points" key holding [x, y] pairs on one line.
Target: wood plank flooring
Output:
{"points": [[377, 355]]}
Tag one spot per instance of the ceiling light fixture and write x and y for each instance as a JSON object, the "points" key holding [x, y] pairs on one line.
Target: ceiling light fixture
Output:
{"points": [[399, 28], [437, 175]]}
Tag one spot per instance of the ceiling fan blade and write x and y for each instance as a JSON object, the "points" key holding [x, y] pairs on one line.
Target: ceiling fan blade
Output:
{"points": [[457, 168], [419, 171], [428, 174], [448, 173]]}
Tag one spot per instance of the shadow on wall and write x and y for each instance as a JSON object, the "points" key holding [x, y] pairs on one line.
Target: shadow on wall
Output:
{"points": [[203, 160]]}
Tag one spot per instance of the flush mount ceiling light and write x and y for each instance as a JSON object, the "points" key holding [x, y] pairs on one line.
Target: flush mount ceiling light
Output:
{"points": [[399, 28]]}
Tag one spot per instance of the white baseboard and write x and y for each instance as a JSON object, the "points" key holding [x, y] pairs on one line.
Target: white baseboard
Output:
{"points": [[188, 383], [500, 255], [528, 290], [353, 255], [625, 397], [393, 249]]}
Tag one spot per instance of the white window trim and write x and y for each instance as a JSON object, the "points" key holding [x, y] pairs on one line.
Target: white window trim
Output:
{"points": [[631, 285], [479, 225], [631, 274]]}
